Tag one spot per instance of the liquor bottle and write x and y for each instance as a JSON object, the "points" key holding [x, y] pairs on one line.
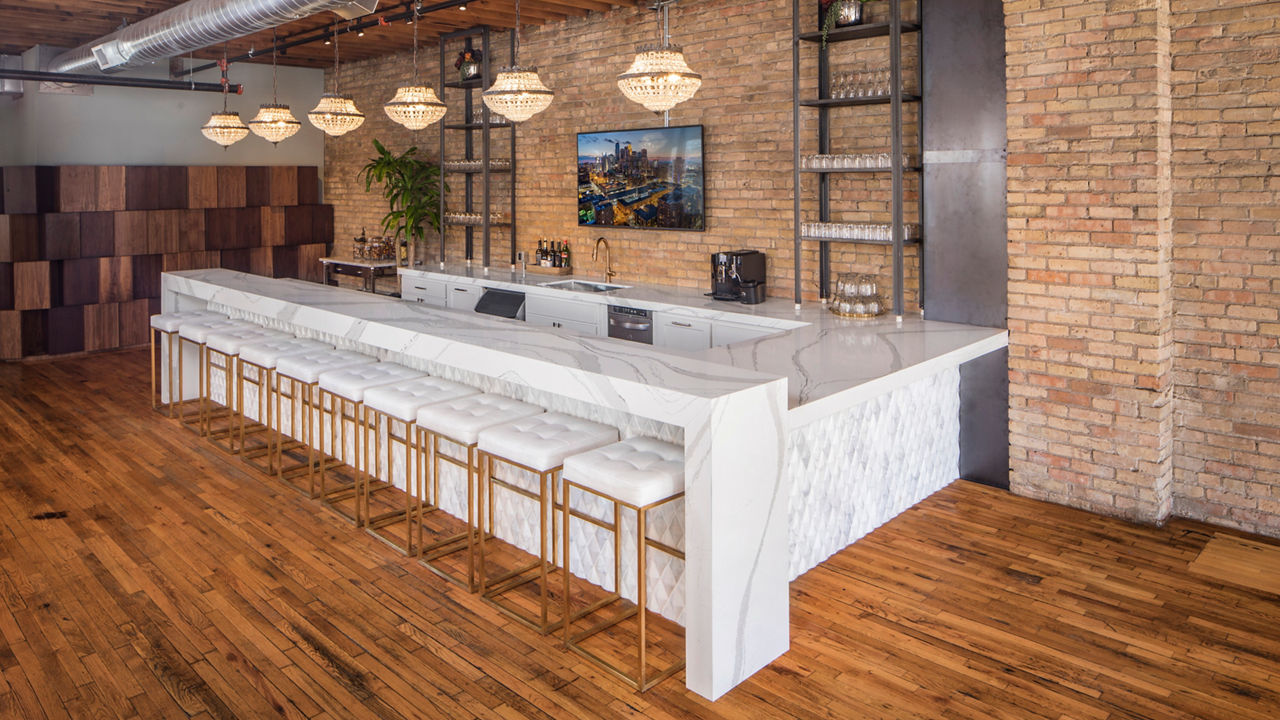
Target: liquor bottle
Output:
{"points": [[555, 255], [564, 254], [537, 256]]}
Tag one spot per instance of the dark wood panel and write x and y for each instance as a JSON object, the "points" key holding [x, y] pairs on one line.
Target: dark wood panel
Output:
{"points": [[135, 321], [248, 232], [115, 279], [77, 188], [173, 187], [1, 191], [97, 234], [309, 262], [60, 236], [111, 187], [47, 192], [191, 231], [299, 225], [238, 260], [284, 185], [35, 333], [10, 334], [231, 190], [284, 261], [308, 186], [272, 223], [131, 232], [146, 276], [219, 228], [322, 224], [261, 261], [6, 286], [202, 186], [66, 330], [192, 260], [80, 281], [162, 231], [257, 186], [20, 190], [31, 285], [141, 187], [19, 238], [102, 326]]}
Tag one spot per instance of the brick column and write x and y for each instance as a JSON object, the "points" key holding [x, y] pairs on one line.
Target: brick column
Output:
{"points": [[1090, 243]]}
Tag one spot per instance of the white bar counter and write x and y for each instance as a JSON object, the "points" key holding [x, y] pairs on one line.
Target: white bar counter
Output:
{"points": [[795, 444]]}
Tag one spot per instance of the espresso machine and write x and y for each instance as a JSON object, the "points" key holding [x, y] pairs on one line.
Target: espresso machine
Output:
{"points": [[738, 275]]}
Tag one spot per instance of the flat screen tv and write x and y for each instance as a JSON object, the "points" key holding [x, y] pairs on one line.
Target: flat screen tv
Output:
{"points": [[648, 178]]}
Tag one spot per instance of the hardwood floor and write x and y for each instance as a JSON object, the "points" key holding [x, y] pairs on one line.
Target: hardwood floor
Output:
{"points": [[144, 574]]}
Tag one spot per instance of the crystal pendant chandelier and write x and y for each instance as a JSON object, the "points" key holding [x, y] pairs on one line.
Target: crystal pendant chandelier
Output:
{"points": [[659, 78], [415, 106], [336, 114], [274, 122], [224, 128], [517, 93]]}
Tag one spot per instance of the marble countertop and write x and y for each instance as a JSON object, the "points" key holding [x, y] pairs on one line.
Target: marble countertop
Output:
{"points": [[830, 362]]}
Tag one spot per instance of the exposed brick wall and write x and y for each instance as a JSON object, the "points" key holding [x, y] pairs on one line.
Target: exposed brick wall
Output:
{"points": [[742, 50]]}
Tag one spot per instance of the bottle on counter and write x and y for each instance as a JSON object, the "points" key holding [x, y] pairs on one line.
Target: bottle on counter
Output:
{"points": [[555, 255], [564, 255], [537, 255]]}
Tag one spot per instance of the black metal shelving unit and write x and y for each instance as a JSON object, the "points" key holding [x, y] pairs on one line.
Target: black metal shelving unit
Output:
{"points": [[894, 29], [475, 181]]}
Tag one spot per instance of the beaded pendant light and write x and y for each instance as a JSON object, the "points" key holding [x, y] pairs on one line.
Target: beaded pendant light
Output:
{"points": [[415, 106], [274, 122], [517, 92], [224, 128], [659, 78], [336, 114]]}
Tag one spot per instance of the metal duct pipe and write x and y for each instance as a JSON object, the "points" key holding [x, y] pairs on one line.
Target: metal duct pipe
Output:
{"points": [[193, 25], [114, 80]]}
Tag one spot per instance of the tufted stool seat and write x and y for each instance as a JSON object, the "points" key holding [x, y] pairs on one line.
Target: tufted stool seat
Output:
{"points": [[297, 379], [165, 326], [538, 444], [222, 352], [459, 422], [639, 474], [387, 405], [341, 400], [196, 332], [258, 359]]}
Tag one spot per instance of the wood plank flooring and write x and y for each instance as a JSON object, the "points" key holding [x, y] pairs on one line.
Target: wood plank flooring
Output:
{"points": [[144, 574]]}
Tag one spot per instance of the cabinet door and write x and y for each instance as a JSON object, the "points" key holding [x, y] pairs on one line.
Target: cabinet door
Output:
{"points": [[589, 329], [431, 292], [728, 333], [463, 297], [583, 314], [681, 333]]}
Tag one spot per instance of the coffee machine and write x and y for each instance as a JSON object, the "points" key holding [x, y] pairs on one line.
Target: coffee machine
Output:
{"points": [[738, 275]]}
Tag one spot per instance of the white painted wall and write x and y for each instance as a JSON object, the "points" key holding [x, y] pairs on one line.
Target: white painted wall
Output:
{"points": [[131, 126]]}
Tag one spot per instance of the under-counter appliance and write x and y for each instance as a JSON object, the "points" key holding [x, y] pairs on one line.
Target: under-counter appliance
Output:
{"points": [[501, 303], [734, 271], [632, 324]]}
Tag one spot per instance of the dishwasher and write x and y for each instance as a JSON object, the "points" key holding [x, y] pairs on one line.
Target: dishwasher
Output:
{"points": [[631, 324]]}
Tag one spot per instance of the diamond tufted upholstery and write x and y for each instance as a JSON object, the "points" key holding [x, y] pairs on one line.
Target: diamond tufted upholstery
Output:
{"points": [[542, 442], [198, 330], [306, 367], [638, 471], [463, 419], [266, 353], [230, 341], [402, 400], [352, 382], [170, 322]]}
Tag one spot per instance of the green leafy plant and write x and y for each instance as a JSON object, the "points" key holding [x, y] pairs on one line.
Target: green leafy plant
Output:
{"points": [[411, 187], [832, 15]]}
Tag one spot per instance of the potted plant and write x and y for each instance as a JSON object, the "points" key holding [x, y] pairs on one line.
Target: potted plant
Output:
{"points": [[468, 64], [838, 13], [412, 189]]}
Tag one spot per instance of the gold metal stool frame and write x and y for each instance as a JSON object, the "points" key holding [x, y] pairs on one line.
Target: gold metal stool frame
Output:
{"points": [[264, 380], [301, 405], [234, 405], [194, 421], [428, 445], [170, 360], [337, 414], [641, 680], [414, 500]]}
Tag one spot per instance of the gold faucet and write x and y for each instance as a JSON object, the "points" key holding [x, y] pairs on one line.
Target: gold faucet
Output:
{"points": [[595, 257]]}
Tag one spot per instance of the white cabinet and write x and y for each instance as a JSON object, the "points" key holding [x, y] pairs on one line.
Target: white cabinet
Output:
{"points": [[431, 292], [728, 333], [681, 332], [463, 296], [586, 318]]}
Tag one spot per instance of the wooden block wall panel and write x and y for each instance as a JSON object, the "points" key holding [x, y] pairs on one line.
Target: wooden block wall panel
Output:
{"points": [[6, 286], [66, 330], [80, 281], [192, 261], [308, 186], [272, 226], [60, 236], [102, 326], [191, 230], [172, 190], [298, 225], [135, 319], [19, 238], [97, 234], [115, 279], [261, 261], [1, 191], [35, 333], [237, 260], [131, 233], [141, 187], [322, 224], [284, 185], [77, 188], [284, 261], [47, 193], [231, 186], [248, 230], [219, 228], [257, 186], [20, 189], [202, 186], [31, 286], [162, 232], [146, 276], [10, 335], [309, 262], [111, 190]]}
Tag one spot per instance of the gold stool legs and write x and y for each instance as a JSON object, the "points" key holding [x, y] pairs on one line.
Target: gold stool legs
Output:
{"points": [[430, 456], [338, 418], [414, 490]]}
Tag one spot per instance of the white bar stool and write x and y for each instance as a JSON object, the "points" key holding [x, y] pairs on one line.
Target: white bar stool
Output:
{"points": [[537, 444], [399, 403], [459, 422], [165, 326], [640, 474], [195, 333], [222, 351], [297, 378], [258, 361], [343, 389]]}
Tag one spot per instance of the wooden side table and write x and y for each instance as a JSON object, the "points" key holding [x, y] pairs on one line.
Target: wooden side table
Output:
{"points": [[370, 270]]}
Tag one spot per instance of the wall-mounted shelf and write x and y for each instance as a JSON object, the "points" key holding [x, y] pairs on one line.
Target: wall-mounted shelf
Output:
{"points": [[857, 32], [851, 102]]}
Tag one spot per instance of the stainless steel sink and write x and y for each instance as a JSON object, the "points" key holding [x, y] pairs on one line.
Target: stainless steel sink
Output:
{"points": [[583, 286]]}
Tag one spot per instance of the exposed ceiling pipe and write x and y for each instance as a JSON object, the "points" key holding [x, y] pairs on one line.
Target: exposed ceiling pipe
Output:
{"points": [[116, 80], [193, 25]]}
